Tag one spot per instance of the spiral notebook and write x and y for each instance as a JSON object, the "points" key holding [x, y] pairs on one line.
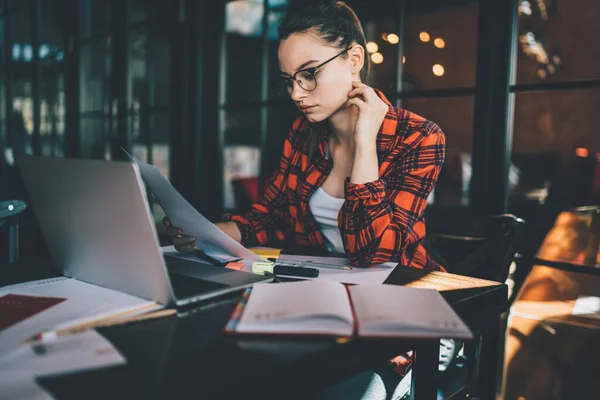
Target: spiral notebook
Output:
{"points": [[332, 308]]}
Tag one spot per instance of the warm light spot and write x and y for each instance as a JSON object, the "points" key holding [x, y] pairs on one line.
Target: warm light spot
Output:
{"points": [[377, 58], [372, 47], [424, 36], [582, 152], [403, 59], [384, 36], [438, 70], [393, 38], [439, 43]]}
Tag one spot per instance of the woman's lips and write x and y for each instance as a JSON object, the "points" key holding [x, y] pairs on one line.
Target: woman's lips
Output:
{"points": [[307, 109]]}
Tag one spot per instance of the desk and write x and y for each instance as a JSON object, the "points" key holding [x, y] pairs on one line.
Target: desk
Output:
{"points": [[184, 356]]}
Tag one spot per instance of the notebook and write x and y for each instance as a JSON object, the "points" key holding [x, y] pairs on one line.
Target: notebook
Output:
{"points": [[331, 308]]}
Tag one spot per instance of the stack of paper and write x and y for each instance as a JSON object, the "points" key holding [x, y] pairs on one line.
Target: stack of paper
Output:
{"points": [[35, 307]]}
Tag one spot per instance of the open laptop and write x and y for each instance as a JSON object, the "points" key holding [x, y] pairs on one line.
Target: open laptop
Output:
{"points": [[95, 218]]}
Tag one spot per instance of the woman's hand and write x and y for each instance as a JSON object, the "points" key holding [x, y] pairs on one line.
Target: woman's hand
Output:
{"points": [[371, 112], [182, 242]]}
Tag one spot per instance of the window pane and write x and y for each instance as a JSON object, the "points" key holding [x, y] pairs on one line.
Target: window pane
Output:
{"points": [[556, 147], [22, 50], [94, 68], [280, 119], [383, 73], [440, 47], [93, 17], [156, 10], [94, 138], [150, 135], [149, 68], [243, 50], [241, 169], [558, 42], [275, 18], [52, 104], [242, 126], [454, 115]]}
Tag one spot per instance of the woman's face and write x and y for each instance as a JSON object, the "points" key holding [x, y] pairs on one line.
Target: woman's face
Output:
{"points": [[333, 80]]}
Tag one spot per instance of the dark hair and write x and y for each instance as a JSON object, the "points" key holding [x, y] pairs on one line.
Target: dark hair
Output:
{"points": [[335, 23]]}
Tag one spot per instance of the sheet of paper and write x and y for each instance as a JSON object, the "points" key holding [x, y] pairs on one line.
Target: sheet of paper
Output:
{"points": [[388, 310], [182, 214], [371, 275], [82, 351], [83, 302]]}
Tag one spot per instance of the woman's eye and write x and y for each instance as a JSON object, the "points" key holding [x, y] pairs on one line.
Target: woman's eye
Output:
{"points": [[308, 75]]}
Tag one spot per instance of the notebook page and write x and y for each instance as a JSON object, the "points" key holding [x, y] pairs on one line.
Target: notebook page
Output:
{"points": [[398, 311], [83, 302], [317, 307]]}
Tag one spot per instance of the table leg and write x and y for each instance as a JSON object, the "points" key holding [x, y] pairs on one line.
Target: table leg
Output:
{"points": [[489, 359], [424, 371]]}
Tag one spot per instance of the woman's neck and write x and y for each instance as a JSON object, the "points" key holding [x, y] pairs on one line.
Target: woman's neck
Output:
{"points": [[342, 125]]}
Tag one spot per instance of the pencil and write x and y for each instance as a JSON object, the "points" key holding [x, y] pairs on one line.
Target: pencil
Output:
{"points": [[116, 319]]}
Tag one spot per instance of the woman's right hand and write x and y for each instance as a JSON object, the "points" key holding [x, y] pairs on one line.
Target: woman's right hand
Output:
{"points": [[182, 242]]}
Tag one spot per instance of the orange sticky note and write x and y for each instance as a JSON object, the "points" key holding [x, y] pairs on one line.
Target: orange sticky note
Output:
{"points": [[236, 265]]}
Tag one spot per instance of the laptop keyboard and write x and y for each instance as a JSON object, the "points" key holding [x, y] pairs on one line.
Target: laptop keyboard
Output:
{"points": [[186, 286]]}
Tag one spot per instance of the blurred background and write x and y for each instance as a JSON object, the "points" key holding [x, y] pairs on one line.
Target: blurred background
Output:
{"points": [[187, 86]]}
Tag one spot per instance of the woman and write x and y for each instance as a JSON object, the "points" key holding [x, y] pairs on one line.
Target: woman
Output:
{"points": [[355, 172]]}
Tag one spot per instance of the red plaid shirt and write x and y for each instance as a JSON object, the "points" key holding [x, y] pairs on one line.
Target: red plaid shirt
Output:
{"points": [[380, 221]]}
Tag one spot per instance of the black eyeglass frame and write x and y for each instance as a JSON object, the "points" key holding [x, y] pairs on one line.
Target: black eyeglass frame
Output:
{"points": [[312, 71]]}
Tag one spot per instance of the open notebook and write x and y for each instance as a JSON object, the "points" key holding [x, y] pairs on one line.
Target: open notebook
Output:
{"points": [[331, 308]]}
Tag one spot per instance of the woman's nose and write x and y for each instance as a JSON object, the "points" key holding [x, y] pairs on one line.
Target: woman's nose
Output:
{"points": [[297, 93]]}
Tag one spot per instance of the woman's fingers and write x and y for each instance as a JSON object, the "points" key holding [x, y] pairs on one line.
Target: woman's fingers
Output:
{"points": [[181, 242], [185, 247], [356, 102], [173, 231]]}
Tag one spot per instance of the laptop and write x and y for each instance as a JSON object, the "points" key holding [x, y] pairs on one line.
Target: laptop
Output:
{"points": [[95, 218]]}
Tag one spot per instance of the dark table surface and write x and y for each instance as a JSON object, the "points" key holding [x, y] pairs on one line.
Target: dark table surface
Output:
{"points": [[186, 355]]}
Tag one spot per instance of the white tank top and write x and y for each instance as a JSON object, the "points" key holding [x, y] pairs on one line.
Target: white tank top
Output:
{"points": [[325, 208]]}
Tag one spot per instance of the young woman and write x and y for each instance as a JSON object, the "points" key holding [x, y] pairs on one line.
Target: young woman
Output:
{"points": [[355, 172]]}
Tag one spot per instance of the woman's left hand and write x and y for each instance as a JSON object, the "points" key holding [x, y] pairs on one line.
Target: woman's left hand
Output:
{"points": [[371, 112]]}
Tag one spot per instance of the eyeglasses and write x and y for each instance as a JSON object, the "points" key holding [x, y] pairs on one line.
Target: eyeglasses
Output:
{"points": [[306, 78]]}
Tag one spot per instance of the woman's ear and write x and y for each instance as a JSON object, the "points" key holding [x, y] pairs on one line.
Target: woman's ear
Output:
{"points": [[357, 58]]}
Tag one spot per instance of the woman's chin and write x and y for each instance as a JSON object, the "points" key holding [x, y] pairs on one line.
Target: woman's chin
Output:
{"points": [[315, 117]]}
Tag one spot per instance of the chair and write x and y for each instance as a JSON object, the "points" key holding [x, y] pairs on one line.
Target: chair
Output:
{"points": [[9, 216], [477, 247]]}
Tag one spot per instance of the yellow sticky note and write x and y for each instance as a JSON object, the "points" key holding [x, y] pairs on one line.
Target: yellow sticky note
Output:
{"points": [[266, 252]]}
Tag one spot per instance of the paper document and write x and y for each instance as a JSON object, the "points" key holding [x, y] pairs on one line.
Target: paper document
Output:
{"points": [[370, 275], [82, 351], [209, 238], [83, 303]]}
